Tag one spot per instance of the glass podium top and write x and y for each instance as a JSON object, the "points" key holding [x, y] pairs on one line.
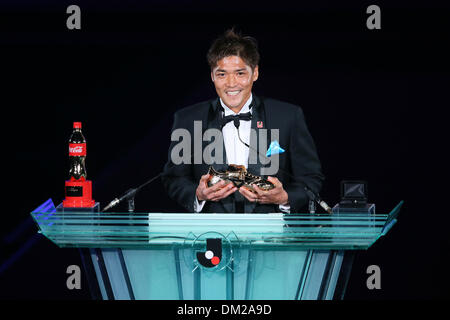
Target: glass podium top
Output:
{"points": [[91, 228]]}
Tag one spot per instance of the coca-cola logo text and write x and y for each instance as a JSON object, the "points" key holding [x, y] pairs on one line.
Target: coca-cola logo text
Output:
{"points": [[77, 149]]}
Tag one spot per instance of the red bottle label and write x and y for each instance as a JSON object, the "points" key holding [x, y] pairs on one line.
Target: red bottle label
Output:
{"points": [[77, 149]]}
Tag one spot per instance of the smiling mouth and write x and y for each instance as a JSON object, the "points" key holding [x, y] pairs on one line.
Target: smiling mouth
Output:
{"points": [[233, 93]]}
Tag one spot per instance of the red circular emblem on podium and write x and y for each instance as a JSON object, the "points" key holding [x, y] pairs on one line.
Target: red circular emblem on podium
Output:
{"points": [[215, 260]]}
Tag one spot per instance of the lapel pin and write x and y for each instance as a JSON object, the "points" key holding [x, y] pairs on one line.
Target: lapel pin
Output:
{"points": [[259, 124]]}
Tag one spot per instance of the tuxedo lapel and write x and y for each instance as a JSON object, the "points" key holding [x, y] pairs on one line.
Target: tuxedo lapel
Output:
{"points": [[258, 122], [254, 165]]}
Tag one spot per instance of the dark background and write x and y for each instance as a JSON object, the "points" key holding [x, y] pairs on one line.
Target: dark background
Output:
{"points": [[373, 101]]}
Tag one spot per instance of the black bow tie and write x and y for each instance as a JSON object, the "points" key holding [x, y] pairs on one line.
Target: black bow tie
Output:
{"points": [[241, 116]]}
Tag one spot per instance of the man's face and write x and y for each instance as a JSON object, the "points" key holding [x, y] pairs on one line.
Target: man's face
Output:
{"points": [[233, 80]]}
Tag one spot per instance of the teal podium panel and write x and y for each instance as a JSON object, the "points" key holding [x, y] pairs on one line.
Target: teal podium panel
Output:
{"points": [[215, 256]]}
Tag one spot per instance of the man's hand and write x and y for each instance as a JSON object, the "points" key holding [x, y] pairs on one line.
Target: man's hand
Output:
{"points": [[217, 192], [277, 195]]}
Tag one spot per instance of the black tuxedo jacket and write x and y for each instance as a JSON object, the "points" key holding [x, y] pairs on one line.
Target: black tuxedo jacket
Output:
{"points": [[300, 158]]}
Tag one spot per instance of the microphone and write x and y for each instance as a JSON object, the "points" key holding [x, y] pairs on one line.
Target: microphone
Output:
{"points": [[311, 194], [130, 193]]}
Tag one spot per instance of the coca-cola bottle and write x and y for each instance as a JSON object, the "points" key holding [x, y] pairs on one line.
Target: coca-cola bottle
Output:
{"points": [[77, 154], [78, 188]]}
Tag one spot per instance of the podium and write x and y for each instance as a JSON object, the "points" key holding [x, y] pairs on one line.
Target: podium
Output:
{"points": [[214, 256]]}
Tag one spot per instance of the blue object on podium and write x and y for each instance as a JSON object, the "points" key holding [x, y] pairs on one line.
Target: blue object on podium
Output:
{"points": [[215, 256]]}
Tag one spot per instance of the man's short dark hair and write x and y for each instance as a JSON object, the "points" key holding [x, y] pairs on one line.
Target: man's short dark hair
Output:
{"points": [[232, 43]]}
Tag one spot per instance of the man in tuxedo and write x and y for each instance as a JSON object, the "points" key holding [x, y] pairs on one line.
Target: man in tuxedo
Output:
{"points": [[234, 68]]}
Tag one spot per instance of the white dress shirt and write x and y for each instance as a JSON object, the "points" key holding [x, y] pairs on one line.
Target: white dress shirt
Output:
{"points": [[237, 152]]}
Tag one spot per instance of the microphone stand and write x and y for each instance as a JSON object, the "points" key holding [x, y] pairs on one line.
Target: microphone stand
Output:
{"points": [[312, 206]]}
